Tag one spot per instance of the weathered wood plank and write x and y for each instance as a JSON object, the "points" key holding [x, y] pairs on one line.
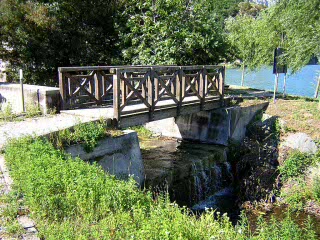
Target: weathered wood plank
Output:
{"points": [[63, 90], [221, 81], [98, 87], [116, 97], [151, 93], [135, 92]]}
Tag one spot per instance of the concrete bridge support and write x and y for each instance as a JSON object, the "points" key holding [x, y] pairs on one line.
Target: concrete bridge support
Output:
{"points": [[219, 126]]}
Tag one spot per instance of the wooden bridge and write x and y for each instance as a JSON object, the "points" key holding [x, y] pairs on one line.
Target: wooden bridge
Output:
{"points": [[136, 95]]}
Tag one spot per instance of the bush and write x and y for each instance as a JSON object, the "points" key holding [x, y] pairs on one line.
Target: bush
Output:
{"points": [[295, 165], [316, 188], [60, 187], [71, 199], [87, 134]]}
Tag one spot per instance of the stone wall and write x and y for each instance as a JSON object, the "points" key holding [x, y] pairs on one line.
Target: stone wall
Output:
{"points": [[119, 156], [46, 98], [217, 127]]}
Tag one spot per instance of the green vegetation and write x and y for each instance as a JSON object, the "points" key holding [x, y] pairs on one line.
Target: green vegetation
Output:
{"points": [[300, 173], [295, 165], [39, 36], [142, 132], [292, 25], [87, 134], [6, 113], [174, 32], [299, 115], [240, 34], [9, 207], [71, 199]]}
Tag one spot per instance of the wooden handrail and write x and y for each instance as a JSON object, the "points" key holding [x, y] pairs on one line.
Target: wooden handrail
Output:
{"points": [[148, 86]]}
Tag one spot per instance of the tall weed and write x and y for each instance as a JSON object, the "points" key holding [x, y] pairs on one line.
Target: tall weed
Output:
{"points": [[71, 199], [295, 165]]}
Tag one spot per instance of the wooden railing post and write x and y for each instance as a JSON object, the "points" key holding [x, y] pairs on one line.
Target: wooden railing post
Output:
{"points": [[124, 90], [116, 98], [179, 89], [98, 86], [63, 90], [151, 93], [202, 78], [221, 82]]}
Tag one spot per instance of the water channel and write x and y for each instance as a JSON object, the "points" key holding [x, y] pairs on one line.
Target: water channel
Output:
{"points": [[195, 175], [199, 176]]}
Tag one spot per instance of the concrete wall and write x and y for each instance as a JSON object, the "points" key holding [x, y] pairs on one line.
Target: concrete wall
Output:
{"points": [[47, 98], [217, 127], [119, 156]]}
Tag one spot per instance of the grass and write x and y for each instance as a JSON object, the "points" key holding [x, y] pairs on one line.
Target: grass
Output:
{"points": [[87, 134], [295, 165], [142, 132], [7, 114], [300, 115], [9, 206], [301, 175], [71, 199]]}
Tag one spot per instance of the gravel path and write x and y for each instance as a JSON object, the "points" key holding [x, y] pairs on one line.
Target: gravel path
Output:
{"points": [[39, 126]]}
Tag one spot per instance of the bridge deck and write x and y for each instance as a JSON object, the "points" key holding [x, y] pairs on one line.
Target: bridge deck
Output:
{"points": [[138, 114]]}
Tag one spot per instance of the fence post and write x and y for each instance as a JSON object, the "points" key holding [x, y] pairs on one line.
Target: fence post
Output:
{"points": [[202, 77], [179, 89], [116, 98], [22, 92], [98, 87], [151, 93], [221, 82], [316, 94], [63, 90]]}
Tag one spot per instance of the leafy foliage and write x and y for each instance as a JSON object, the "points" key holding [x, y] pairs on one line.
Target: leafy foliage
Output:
{"points": [[173, 32], [295, 165], [291, 24], [39, 36], [87, 134], [71, 199]]}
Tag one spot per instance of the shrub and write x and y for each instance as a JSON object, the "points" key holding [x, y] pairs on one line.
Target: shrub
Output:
{"points": [[59, 187], [316, 188], [295, 165], [71, 199], [87, 134]]}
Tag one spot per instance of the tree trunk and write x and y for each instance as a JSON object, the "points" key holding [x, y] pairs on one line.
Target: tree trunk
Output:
{"points": [[243, 71], [284, 85]]}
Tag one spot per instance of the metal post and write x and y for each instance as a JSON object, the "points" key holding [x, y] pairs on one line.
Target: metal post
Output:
{"points": [[275, 86], [284, 85], [316, 94], [22, 93]]}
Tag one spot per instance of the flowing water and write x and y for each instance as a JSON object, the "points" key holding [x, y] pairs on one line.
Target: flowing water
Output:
{"points": [[195, 175], [199, 176], [303, 83]]}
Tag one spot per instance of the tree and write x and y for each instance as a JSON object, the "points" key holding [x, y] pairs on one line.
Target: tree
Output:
{"points": [[291, 24], [41, 35], [242, 34], [173, 32]]}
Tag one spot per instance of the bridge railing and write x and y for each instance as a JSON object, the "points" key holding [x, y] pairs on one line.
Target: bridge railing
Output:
{"points": [[134, 89]]}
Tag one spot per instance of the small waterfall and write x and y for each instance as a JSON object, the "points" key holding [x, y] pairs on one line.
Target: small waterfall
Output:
{"points": [[192, 172]]}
